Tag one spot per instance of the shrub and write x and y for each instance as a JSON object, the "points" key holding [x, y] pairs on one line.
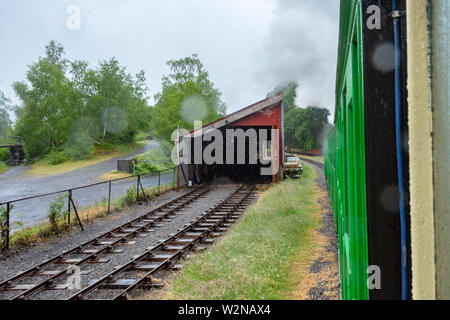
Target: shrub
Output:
{"points": [[130, 198], [4, 154], [3, 227], [79, 147], [141, 136], [147, 167], [56, 211], [155, 160], [166, 148], [3, 167], [55, 157]]}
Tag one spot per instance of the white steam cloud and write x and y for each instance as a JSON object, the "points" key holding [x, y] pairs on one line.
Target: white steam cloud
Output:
{"points": [[301, 45]]}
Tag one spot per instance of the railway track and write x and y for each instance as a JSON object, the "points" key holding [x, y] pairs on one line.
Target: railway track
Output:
{"points": [[139, 271], [45, 275], [316, 163]]}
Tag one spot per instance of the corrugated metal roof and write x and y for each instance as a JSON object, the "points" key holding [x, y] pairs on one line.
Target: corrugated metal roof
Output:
{"points": [[240, 114]]}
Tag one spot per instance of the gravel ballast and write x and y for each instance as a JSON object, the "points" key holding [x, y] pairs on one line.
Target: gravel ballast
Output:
{"points": [[328, 270], [20, 259]]}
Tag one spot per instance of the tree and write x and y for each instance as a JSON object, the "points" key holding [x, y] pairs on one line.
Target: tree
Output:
{"points": [[5, 121], [303, 128], [187, 95], [289, 91], [43, 119], [71, 107], [117, 98], [54, 53]]}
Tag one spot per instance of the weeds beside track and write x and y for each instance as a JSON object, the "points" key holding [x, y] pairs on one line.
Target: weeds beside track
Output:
{"points": [[253, 261]]}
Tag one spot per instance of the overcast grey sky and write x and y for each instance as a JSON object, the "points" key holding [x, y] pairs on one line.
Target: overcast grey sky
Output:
{"points": [[247, 46]]}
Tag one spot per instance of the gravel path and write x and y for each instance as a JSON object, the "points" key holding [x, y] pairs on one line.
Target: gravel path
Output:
{"points": [[19, 260], [326, 266], [15, 184]]}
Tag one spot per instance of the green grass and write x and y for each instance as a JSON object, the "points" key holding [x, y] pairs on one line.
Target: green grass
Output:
{"points": [[254, 260], [3, 167], [4, 154], [44, 168], [155, 160], [141, 136], [36, 233]]}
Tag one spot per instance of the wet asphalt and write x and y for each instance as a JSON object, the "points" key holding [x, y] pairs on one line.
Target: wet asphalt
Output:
{"points": [[16, 184]]}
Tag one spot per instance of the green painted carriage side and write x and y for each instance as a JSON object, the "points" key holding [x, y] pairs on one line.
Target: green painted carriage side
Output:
{"points": [[345, 163]]}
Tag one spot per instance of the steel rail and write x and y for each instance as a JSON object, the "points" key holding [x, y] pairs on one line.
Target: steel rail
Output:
{"points": [[91, 256], [30, 272], [47, 262], [150, 251], [189, 246], [316, 163], [161, 245]]}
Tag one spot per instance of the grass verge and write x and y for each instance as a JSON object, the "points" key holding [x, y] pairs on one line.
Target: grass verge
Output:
{"points": [[44, 231], [43, 168], [254, 260], [3, 167], [114, 174]]}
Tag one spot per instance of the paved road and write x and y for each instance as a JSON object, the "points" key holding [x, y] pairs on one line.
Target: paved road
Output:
{"points": [[15, 184]]}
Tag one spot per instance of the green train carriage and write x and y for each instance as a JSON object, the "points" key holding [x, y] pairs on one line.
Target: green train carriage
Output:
{"points": [[362, 161]]}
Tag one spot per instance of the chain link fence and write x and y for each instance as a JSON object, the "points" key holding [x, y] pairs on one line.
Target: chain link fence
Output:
{"points": [[31, 216]]}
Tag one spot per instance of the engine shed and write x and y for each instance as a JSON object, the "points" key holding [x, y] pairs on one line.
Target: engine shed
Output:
{"points": [[246, 146]]}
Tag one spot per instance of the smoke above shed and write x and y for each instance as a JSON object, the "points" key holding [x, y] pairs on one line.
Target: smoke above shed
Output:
{"points": [[301, 45]]}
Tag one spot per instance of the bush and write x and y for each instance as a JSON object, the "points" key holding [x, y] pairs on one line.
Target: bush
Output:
{"points": [[55, 157], [3, 227], [166, 148], [147, 167], [4, 154], [79, 147], [130, 198], [141, 136], [56, 211], [155, 160], [160, 154], [3, 167]]}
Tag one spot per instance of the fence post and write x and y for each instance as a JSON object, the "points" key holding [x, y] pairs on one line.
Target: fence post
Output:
{"points": [[137, 187], [159, 182], [7, 225], [68, 207], [109, 198], [173, 179]]}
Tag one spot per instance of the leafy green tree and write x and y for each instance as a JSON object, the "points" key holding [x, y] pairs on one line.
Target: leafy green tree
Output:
{"points": [[5, 121], [45, 114], [71, 107], [187, 95], [289, 91], [116, 98], [304, 128], [291, 123]]}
